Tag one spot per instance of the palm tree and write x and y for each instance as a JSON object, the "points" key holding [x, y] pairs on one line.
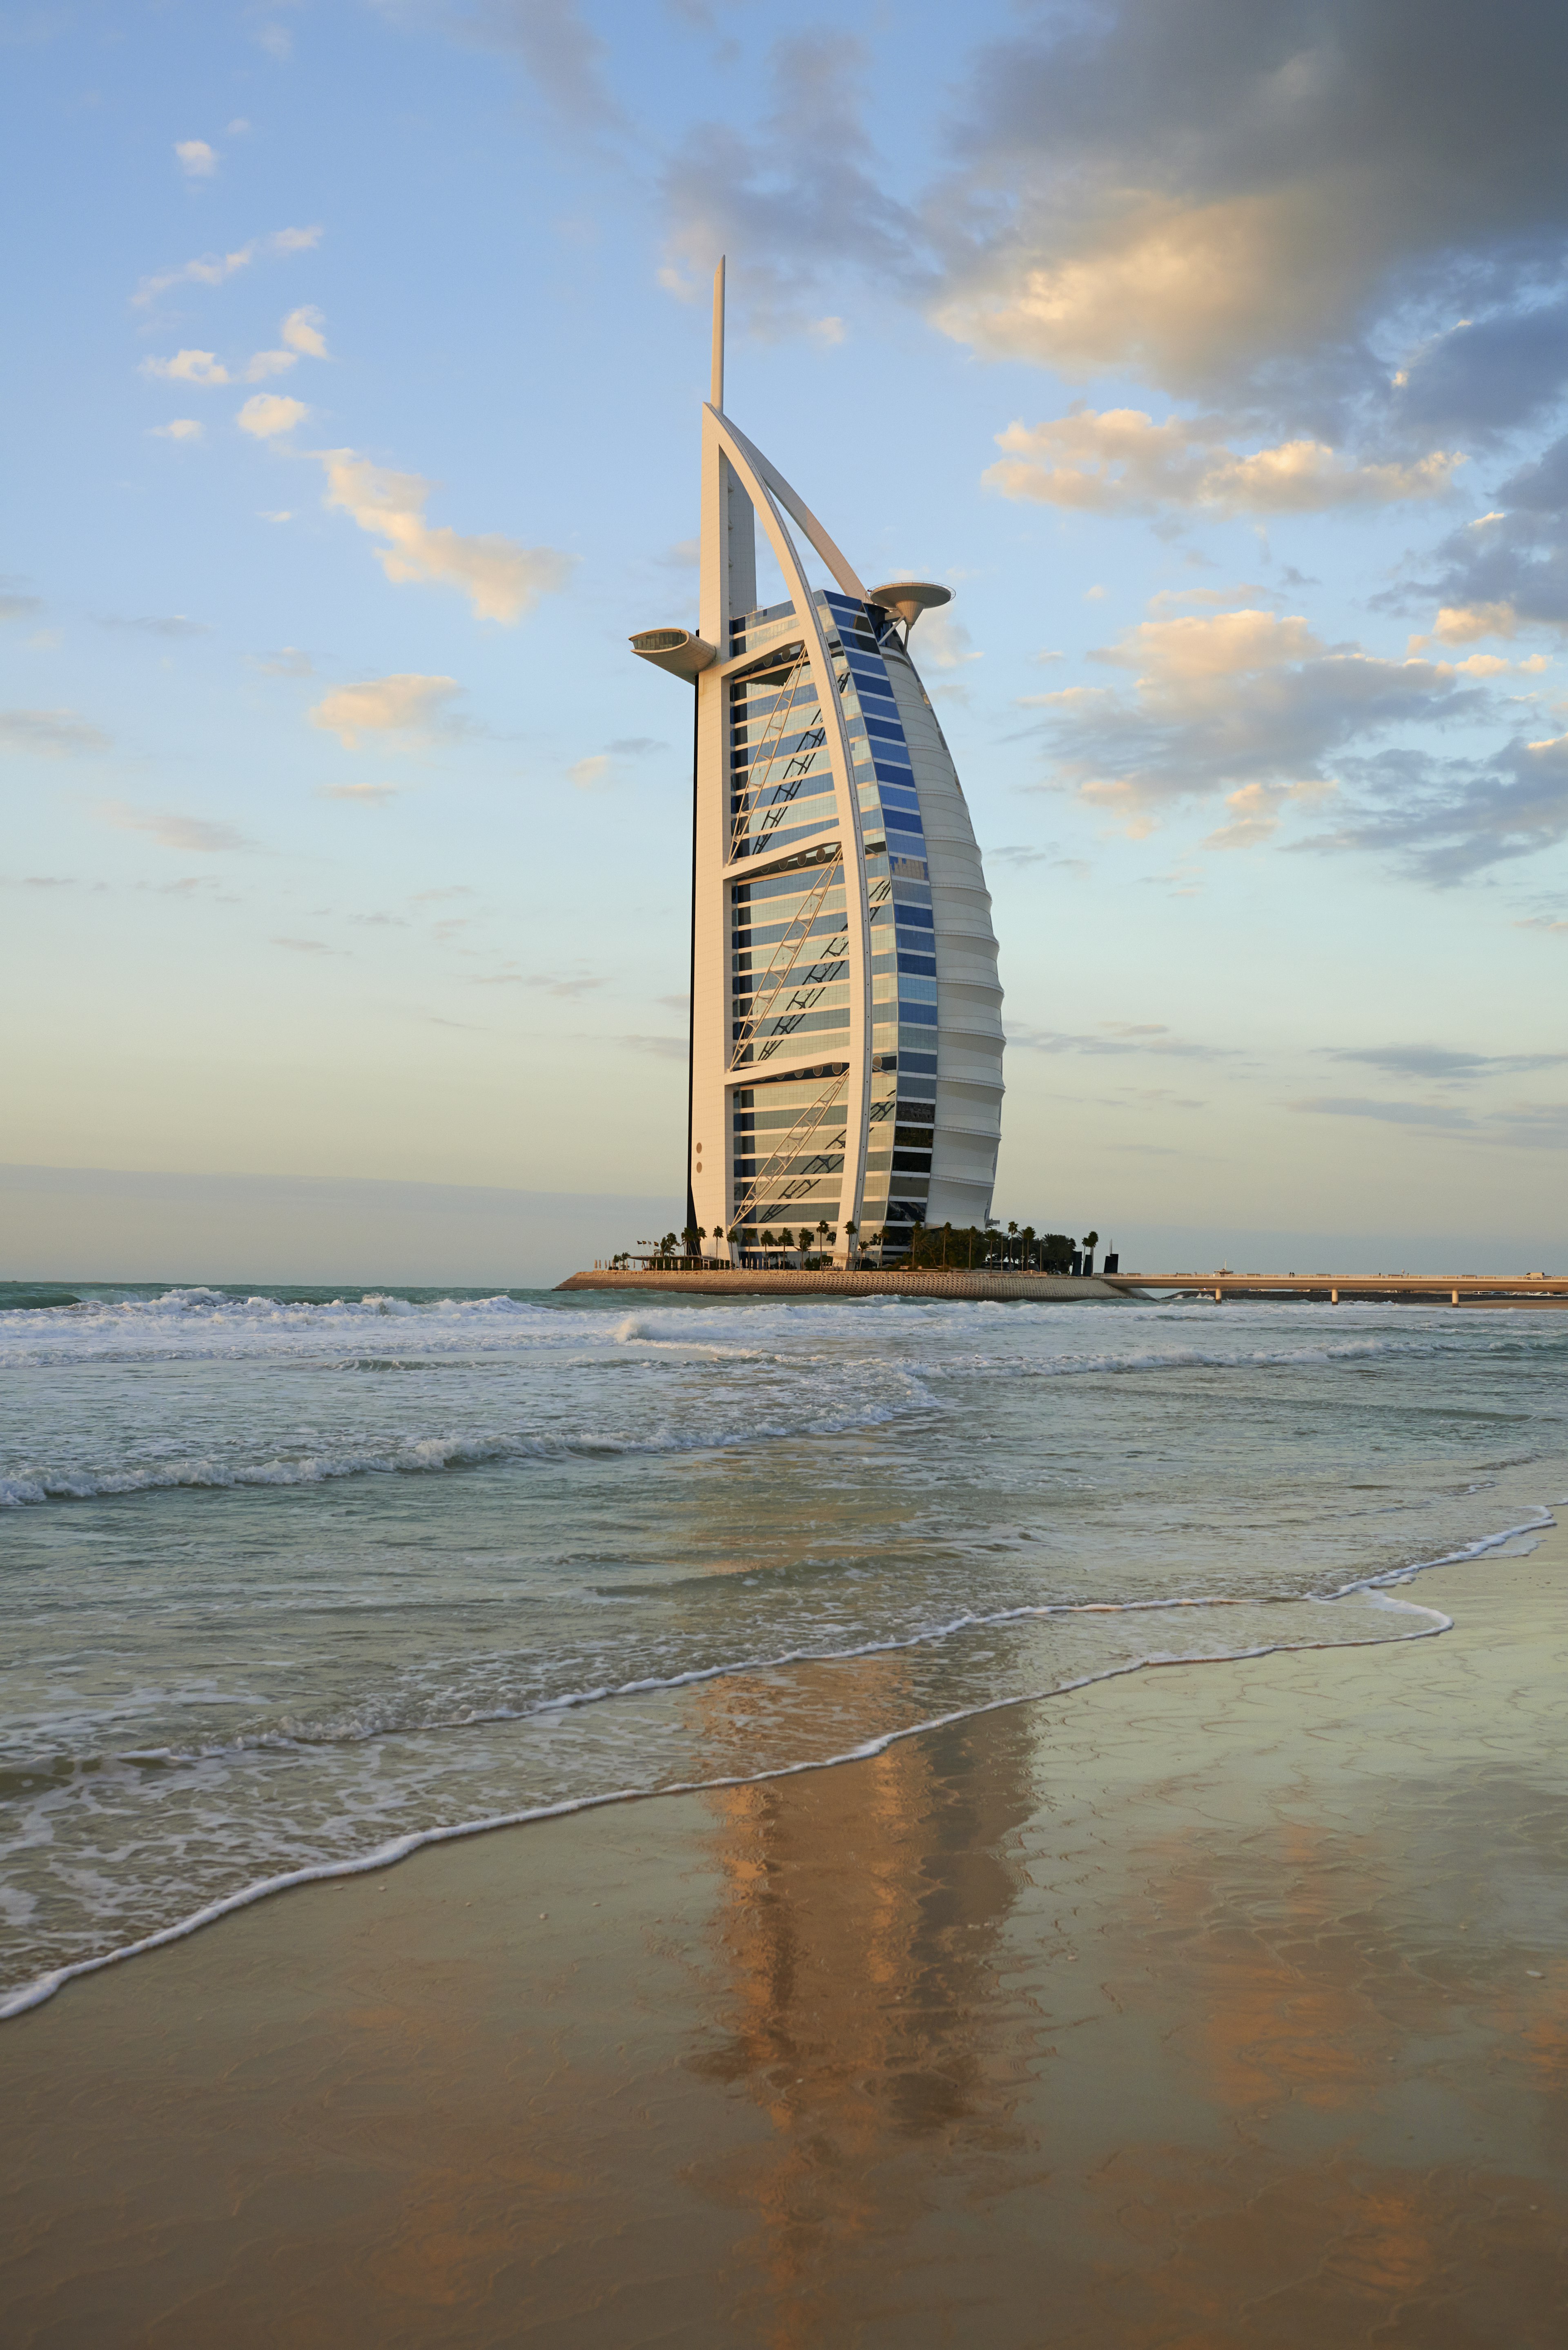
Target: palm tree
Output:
{"points": [[850, 1231], [1012, 1236], [1091, 1242]]}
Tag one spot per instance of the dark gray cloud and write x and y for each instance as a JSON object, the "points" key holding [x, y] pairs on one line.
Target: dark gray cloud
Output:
{"points": [[1448, 819], [1217, 193], [1488, 375], [1509, 569], [562, 53], [798, 200]]}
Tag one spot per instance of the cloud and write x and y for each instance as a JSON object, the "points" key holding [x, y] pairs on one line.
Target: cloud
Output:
{"points": [[189, 367], [587, 774], [360, 795], [684, 556], [803, 197], [1228, 700], [301, 331], [196, 160], [20, 607], [1439, 1116], [168, 624], [552, 982], [1444, 1065], [664, 1048], [1116, 1038], [1488, 375], [945, 642], [183, 428], [276, 40], [1256, 809], [409, 705], [1210, 194], [1121, 461], [500, 579], [288, 661], [1524, 1126], [307, 946], [50, 734], [171, 830], [562, 56], [1509, 570], [1448, 819], [215, 270], [268, 413]]}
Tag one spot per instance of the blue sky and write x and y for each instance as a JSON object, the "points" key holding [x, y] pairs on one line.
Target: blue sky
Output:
{"points": [[1215, 354]]}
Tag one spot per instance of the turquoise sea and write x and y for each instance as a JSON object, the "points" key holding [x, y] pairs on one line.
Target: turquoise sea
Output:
{"points": [[291, 1581]]}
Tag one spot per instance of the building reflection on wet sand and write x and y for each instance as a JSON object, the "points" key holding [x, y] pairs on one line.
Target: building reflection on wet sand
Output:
{"points": [[1220, 2088]]}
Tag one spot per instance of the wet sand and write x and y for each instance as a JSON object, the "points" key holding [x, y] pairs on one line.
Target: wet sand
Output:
{"points": [[1217, 2006]]}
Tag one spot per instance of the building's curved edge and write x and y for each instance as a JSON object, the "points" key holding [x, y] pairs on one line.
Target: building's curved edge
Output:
{"points": [[1032, 1289]]}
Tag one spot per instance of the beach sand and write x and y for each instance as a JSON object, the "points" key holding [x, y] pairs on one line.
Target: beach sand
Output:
{"points": [[1216, 2005]]}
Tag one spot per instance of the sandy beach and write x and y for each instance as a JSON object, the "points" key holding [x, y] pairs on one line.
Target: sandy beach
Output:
{"points": [[1214, 2005]]}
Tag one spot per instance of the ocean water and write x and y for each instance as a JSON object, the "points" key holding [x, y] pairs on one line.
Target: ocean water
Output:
{"points": [[292, 1582]]}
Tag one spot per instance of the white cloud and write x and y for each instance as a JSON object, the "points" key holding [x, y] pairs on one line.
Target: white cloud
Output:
{"points": [[182, 428], [828, 332], [360, 795], [49, 733], [1120, 461], [407, 704], [301, 331], [188, 367], [196, 158], [1224, 702], [585, 774], [268, 413], [944, 642], [1461, 624], [502, 579], [171, 830], [215, 270]]}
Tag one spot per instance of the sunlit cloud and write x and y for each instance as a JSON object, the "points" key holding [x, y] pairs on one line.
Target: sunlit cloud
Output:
{"points": [[196, 160], [501, 578], [215, 270], [1121, 461], [172, 829], [268, 413], [301, 331], [180, 428], [406, 706]]}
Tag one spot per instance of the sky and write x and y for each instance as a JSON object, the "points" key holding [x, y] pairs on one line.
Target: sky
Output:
{"points": [[1214, 352]]}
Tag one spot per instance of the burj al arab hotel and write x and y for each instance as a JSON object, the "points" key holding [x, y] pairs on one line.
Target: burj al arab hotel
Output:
{"points": [[845, 1063]]}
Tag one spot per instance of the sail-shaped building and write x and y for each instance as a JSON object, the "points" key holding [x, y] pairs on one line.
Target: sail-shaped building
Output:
{"points": [[845, 1058]]}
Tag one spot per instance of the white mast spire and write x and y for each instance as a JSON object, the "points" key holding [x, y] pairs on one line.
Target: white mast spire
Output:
{"points": [[719, 335]]}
